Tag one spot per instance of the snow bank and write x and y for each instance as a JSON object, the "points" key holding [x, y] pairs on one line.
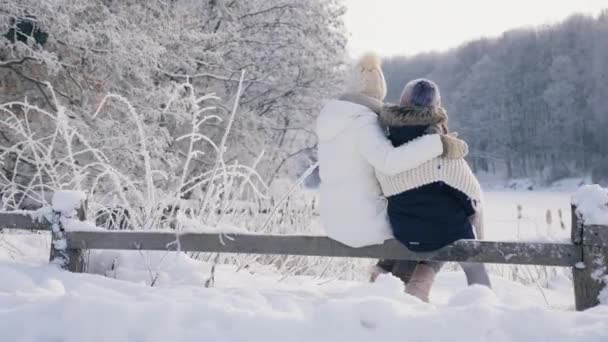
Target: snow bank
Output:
{"points": [[72, 225], [116, 303], [66, 202], [592, 204], [44, 304]]}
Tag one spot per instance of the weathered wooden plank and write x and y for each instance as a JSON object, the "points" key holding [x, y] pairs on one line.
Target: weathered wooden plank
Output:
{"points": [[589, 277], [58, 254], [66, 257], [9, 220], [549, 254], [579, 272], [576, 229], [76, 261], [596, 236]]}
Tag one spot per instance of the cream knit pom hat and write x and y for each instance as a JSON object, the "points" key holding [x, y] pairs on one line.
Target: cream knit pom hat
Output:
{"points": [[367, 79]]}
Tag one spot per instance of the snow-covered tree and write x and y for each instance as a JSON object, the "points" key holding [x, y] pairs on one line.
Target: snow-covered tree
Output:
{"points": [[147, 51]]}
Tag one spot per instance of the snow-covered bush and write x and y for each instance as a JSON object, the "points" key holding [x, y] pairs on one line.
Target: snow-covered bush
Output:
{"points": [[55, 162], [225, 197]]}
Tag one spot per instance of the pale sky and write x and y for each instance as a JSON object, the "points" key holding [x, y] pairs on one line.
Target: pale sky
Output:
{"points": [[407, 27]]}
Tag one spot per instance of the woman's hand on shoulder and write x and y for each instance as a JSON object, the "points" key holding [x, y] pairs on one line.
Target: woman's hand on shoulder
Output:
{"points": [[454, 148]]}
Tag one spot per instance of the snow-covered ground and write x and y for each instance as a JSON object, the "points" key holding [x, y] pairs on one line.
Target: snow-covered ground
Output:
{"points": [[116, 303], [40, 303]]}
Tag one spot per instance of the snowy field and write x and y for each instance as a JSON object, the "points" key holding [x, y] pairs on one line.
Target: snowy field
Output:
{"points": [[528, 216], [116, 303]]}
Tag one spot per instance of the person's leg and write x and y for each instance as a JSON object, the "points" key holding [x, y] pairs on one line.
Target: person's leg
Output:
{"points": [[422, 279], [476, 274], [383, 266], [404, 269]]}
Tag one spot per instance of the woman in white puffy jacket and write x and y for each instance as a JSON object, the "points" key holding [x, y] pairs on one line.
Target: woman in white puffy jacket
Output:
{"points": [[352, 144]]}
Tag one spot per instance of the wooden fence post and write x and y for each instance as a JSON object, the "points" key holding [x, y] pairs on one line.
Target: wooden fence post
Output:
{"points": [[68, 259], [589, 276]]}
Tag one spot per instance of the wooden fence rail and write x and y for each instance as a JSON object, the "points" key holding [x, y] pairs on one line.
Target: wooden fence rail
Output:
{"points": [[549, 254], [587, 255], [22, 220]]}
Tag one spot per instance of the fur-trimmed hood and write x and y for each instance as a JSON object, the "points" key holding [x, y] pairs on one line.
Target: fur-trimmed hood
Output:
{"points": [[398, 116]]}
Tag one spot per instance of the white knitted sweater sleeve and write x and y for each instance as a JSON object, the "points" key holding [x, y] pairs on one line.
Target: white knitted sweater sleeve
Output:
{"points": [[375, 147]]}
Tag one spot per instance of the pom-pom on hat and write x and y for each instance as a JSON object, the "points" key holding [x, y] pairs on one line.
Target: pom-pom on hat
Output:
{"points": [[367, 78]]}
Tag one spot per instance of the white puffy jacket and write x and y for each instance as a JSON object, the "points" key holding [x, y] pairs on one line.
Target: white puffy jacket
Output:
{"points": [[351, 145]]}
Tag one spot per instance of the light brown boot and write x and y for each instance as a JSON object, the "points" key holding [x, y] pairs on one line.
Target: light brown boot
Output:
{"points": [[421, 282]]}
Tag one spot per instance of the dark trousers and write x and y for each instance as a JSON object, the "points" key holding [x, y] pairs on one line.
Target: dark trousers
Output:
{"points": [[403, 269]]}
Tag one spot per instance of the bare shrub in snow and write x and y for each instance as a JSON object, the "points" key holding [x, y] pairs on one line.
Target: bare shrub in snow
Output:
{"points": [[228, 197]]}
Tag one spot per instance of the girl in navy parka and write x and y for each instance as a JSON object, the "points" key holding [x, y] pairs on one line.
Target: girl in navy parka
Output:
{"points": [[435, 204]]}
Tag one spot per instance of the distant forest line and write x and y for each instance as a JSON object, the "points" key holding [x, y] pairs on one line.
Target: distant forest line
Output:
{"points": [[531, 103]]}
